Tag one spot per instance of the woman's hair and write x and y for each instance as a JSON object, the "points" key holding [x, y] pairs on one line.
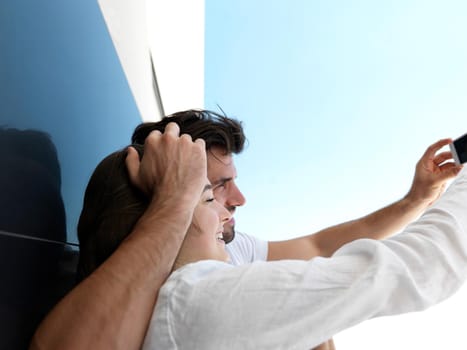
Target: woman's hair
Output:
{"points": [[111, 208]]}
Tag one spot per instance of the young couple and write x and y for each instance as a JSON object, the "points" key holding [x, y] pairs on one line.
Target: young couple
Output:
{"points": [[336, 280]]}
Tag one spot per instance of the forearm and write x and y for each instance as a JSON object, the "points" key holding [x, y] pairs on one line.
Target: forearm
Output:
{"points": [[377, 225], [112, 307]]}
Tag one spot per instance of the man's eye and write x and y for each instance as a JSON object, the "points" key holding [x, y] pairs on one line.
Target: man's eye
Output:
{"points": [[220, 186], [210, 200]]}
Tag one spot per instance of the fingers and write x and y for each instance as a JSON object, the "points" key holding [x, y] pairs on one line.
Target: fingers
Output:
{"points": [[431, 151], [172, 129], [449, 171], [432, 172], [172, 132], [201, 143], [172, 163], [442, 157]]}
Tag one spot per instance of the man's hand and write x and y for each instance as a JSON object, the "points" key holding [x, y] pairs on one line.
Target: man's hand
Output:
{"points": [[172, 166], [431, 174]]}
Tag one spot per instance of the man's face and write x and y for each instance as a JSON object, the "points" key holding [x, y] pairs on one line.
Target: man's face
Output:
{"points": [[222, 174]]}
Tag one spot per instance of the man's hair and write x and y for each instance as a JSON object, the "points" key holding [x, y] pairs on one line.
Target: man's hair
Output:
{"points": [[111, 208], [215, 129]]}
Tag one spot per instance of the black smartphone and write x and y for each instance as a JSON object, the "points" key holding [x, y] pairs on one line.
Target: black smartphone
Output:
{"points": [[459, 149]]}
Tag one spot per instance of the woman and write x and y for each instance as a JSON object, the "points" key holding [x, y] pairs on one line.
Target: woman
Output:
{"points": [[209, 304]]}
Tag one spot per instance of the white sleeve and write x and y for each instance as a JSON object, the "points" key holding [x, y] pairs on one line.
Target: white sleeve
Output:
{"points": [[300, 304], [245, 249]]}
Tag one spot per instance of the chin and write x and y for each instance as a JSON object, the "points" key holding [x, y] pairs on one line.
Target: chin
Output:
{"points": [[224, 257]]}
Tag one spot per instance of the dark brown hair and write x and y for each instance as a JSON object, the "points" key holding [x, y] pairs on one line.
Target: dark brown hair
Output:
{"points": [[111, 208], [215, 129]]}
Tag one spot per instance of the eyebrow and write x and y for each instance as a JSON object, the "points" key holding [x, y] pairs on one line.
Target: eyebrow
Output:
{"points": [[207, 187], [222, 181]]}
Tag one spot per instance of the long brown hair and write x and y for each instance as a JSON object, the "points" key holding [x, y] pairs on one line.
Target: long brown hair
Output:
{"points": [[111, 208]]}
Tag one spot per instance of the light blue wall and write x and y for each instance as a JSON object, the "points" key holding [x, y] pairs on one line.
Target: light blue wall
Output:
{"points": [[59, 73]]}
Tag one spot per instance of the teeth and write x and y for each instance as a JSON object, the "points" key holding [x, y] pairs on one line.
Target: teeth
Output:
{"points": [[220, 236]]}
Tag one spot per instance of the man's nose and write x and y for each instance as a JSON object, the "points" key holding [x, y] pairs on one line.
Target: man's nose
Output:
{"points": [[236, 197]]}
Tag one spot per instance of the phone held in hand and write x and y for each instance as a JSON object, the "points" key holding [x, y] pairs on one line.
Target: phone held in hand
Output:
{"points": [[459, 149]]}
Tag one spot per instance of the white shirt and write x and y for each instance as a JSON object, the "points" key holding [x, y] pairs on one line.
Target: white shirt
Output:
{"points": [[300, 304], [246, 249]]}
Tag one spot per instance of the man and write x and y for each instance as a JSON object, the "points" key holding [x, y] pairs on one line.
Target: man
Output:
{"points": [[111, 309], [246, 249], [430, 178]]}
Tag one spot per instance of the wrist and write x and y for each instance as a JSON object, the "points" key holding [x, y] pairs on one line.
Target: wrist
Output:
{"points": [[412, 201], [176, 211]]}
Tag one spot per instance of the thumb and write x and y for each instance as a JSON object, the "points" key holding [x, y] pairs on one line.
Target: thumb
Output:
{"points": [[133, 163], [449, 171]]}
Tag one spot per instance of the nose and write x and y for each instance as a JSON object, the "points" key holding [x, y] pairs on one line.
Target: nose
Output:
{"points": [[236, 198], [224, 214]]}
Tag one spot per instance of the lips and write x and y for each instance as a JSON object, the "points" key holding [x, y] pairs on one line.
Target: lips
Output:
{"points": [[231, 222]]}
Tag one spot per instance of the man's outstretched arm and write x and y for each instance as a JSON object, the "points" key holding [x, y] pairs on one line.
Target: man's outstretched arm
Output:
{"points": [[112, 307], [432, 173]]}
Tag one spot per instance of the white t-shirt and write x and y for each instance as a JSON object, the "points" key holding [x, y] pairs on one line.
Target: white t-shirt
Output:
{"points": [[294, 304], [245, 249]]}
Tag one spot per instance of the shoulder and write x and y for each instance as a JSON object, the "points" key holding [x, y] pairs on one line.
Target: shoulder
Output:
{"points": [[246, 249], [177, 297]]}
